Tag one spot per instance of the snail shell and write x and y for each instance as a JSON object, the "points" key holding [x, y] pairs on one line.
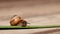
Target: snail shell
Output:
{"points": [[18, 22]]}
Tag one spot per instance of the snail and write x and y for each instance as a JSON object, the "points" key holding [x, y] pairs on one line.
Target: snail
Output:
{"points": [[17, 21]]}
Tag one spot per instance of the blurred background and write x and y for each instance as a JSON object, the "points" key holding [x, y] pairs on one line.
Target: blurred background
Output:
{"points": [[36, 12]]}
